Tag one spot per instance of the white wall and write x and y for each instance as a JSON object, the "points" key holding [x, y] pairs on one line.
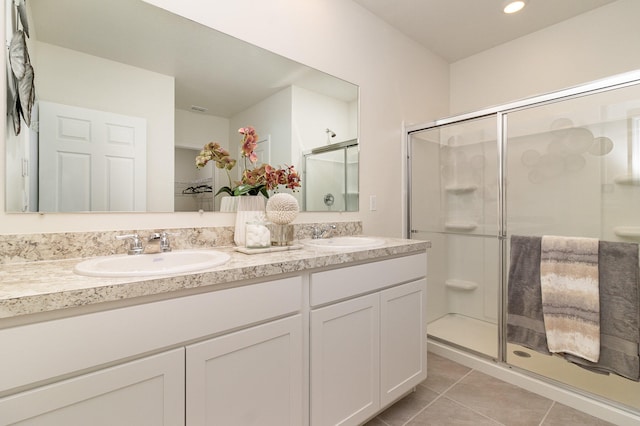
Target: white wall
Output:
{"points": [[194, 129], [399, 81], [591, 46], [270, 117], [313, 114]]}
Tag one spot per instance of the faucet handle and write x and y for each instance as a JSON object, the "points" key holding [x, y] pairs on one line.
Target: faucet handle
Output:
{"points": [[135, 246], [319, 232], [163, 237], [165, 244]]}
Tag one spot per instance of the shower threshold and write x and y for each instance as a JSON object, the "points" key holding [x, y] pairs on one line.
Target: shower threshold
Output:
{"points": [[466, 332]]}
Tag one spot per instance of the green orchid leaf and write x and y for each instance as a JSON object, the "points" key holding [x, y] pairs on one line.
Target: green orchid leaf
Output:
{"points": [[226, 190], [242, 189]]}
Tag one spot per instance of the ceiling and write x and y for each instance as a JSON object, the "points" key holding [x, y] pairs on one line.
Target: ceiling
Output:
{"points": [[456, 29]]}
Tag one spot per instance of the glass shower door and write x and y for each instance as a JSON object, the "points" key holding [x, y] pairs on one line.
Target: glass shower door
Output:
{"points": [[454, 204], [573, 170]]}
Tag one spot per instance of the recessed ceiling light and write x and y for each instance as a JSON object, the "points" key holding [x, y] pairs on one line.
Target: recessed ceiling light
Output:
{"points": [[513, 6]]}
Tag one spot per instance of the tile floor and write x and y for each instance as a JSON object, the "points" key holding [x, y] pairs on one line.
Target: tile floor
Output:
{"points": [[457, 395]]}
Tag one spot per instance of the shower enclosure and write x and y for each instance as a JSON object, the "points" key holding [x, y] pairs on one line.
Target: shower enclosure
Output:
{"points": [[566, 163]]}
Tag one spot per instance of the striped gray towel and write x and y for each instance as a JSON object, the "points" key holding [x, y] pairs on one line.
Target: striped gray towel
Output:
{"points": [[570, 295]]}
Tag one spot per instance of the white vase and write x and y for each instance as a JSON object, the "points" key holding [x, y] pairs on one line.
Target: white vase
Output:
{"points": [[229, 204], [250, 209]]}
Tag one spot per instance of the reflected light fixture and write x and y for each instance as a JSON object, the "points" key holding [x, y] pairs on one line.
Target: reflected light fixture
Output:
{"points": [[513, 6]]}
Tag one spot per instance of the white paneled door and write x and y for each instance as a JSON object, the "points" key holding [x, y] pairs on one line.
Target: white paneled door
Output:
{"points": [[91, 160]]}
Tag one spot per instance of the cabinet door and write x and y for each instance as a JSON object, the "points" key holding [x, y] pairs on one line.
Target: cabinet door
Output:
{"points": [[403, 339], [251, 377], [345, 362], [148, 391]]}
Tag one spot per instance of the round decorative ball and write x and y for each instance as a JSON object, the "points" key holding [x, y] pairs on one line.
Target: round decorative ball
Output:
{"points": [[282, 208]]}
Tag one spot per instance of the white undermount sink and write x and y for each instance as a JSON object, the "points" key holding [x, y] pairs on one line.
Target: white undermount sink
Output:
{"points": [[144, 265], [343, 243]]}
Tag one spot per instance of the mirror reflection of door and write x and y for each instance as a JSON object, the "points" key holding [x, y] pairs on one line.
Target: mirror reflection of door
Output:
{"points": [[91, 160]]}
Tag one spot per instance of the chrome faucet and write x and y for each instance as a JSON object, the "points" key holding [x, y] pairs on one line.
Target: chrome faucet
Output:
{"points": [[162, 239], [321, 232], [135, 246]]}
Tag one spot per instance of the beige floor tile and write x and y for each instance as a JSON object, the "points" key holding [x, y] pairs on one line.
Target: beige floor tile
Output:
{"points": [[561, 415], [447, 412], [504, 402], [375, 422], [407, 407], [442, 373], [455, 395]]}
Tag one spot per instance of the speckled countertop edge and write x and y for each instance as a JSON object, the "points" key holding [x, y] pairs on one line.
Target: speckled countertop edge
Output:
{"points": [[36, 287]]}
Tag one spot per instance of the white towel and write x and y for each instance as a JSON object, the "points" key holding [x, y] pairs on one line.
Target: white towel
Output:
{"points": [[570, 295]]}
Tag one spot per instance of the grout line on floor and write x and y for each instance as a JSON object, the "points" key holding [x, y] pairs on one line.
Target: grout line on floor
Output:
{"points": [[455, 401], [547, 413], [475, 411], [380, 419], [436, 398], [423, 408]]}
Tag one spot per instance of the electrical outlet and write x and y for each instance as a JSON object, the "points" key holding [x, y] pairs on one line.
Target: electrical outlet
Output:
{"points": [[373, 203]]}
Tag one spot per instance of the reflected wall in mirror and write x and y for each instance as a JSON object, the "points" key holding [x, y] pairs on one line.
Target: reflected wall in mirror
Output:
{"points": [[103, 69]]}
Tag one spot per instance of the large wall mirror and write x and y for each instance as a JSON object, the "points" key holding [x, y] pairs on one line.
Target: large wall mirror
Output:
{"points": [[126, 95]]}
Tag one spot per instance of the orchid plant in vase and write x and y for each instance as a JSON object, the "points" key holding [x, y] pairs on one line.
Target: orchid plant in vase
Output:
{"points": [[254, 180]]}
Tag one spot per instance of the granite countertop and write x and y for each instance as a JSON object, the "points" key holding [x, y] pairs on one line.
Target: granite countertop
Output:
{"points": [[44, 286]]}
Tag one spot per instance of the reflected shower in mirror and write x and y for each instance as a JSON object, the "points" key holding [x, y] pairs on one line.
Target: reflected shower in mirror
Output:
{"points": [[331, 177], [127, 94]]}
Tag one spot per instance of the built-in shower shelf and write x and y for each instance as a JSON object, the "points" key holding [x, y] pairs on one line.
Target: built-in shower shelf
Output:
{"points": [[460, 189], [627, 180], [460, 226], [627, 231], [461, 284]]}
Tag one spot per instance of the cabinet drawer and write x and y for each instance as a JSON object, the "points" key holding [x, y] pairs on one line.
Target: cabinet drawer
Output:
{"points": [[337, 284], [41, 351]]}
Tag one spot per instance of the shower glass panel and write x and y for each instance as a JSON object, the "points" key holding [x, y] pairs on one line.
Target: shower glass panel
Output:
{"points": [[454, 175], [573, 169]]}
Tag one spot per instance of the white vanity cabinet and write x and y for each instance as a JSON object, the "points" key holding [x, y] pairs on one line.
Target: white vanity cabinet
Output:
{"points": [[147, 391], [243, 329], [251, 377], [316, 347], [366, 350]]}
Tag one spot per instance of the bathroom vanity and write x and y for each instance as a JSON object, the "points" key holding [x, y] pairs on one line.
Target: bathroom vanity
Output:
{"points": [[311, 336]]}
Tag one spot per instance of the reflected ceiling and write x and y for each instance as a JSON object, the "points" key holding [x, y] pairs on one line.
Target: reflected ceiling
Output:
{"points": [[167, 45]]}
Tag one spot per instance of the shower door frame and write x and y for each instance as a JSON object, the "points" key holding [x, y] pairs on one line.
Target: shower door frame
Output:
{"points": [[501, 113]]}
